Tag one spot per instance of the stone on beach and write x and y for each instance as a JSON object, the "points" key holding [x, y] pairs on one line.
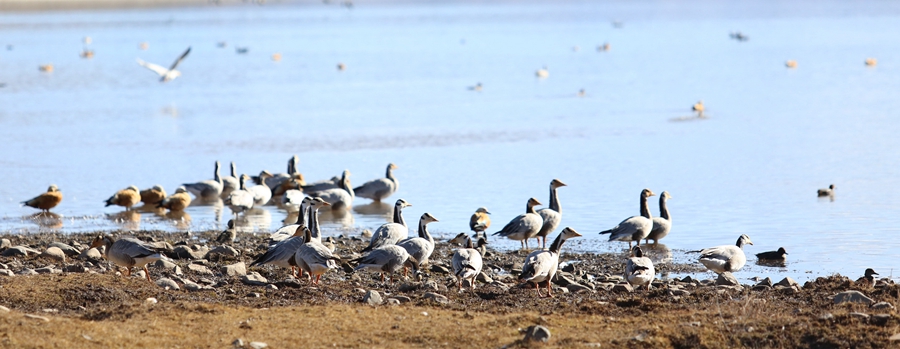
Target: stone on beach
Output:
{"points": [[254, 279], [372, 297], [236, 269], [537, 333], [54, 253], [853, 297]]}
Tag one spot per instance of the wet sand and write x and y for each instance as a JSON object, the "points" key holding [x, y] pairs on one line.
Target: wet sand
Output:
{"points": [[90, 302]]}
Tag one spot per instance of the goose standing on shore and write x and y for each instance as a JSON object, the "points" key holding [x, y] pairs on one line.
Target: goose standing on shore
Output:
{"points": [[230, 183], [634, 228], [178, 201], [662, 224], [339, 198], [552, 215], [724, 258], [314, 258], [422, 246], [283, 254], [826, 191], [126, 198], [153, 196], [467, 262], [379, 189], [639, 270], [261, 193], [127, 252], [480, 221], [240, 200], [386, 259], [45, 201], [390, 233], [524, 226], [541, 265], [289, 230], [208, 189]]}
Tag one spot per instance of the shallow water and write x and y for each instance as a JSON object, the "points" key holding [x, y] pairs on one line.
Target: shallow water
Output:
{"points": [[771, 137]]}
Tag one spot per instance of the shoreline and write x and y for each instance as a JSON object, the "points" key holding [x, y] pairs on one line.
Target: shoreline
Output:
{"points": [[14, 6]]}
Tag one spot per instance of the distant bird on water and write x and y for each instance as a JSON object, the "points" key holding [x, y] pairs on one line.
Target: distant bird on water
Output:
{"points": [[47, 200], [542, 73], [698, 107], [476, 88], [772, 255], [603, 48], [826, 191], [790, 63], [126, 198], [166, 74], [47, 68], [871, 62]]}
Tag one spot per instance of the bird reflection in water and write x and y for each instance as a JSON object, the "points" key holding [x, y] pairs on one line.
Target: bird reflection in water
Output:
{"points": [[48, 220], [255, 219], [658, 253], [130, 220], [376, 208], [344, 218], [181, 219]]}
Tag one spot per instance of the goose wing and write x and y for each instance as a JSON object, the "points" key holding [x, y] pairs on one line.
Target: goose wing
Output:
{"points": [[281, 253], [537, 266], [522, 223], [313, 253], [387, 234], [181, 58], [155, 68], [375, 189], [626, 229], [551, 220]]}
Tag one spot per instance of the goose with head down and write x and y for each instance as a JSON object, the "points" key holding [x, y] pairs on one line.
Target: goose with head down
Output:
{"points": [[261, 193], [315, 258], [153, 196], [381, 188], [127, 197], [725, 258], [634, 228], [127, 252], [524, 226], [386, 259], [45, 201], [468, 261], [390, 233], [178, 201], [552, 215], [639, 270], [541, 265]]}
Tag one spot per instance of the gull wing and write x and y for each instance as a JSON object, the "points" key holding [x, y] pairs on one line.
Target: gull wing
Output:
{"points": [[157, 69], [180, 58]]}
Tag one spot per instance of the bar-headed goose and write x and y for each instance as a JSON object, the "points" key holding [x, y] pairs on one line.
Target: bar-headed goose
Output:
{"points": [[127, 252], [314, 258], [724, 258], [261, 193], [467, 262], [540, 266], [45, 201], [334, 182], [524, 226], [126, 198], [634, 228], [381, 188], [662, 224], [639, 270], [551, 215], [339, 198], [282, 253], [230, 183], [422, 246], [208, 189], [386, 259], [826, 191], [390, 233]]}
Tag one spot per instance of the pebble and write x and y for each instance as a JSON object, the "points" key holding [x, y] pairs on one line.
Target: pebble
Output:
{"points": [[37, 317], [223, 251], [199, 269], [192, 252], [258, 345], [254, 279], [880, 319], [895, 337], [167, 283], [27, 271], [440, 269], [436, 297], [67, 249], [91, 254], [393, 301], [5, 243], [372, 298], [728, 279], [54, 253], [271, 287], [537, 333], [7, 272], [236, 269], [4, 309], [48, 270], [75, 268], [852, 296], [401, 299], [861, 316], [680, 293], [165, 265], [787, 281], [484, 278], [151, 300], [254, 295]]}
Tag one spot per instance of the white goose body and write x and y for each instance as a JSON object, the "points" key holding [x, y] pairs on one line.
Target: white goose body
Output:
{"points": [[467, 262], [541, 265]]}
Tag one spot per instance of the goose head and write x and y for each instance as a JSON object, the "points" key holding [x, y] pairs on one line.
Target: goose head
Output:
{"points": [[230, 224], [428, 218], [569, 233], [459, 239], [318, 202], [646, 193], [301, 231], [482, 210], [52, 188], [831, 187], [391, 166], [557, 183], [533, 202], [637, 251], [481, 242], [402, 203], [665, 195], [744, 239]]}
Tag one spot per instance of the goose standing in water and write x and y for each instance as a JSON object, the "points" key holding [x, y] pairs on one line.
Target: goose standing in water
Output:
{"points": [[420, 247], [230, 183], [827, 191], [480, 221], [379, 189], [294, 183], [45, 201], [662, 224], [386, 259], [334, 182], [153, 196], [127, 197], [315, 258], [178, 201], [552, 215], [292, 200], [639, 270], [390, 233], [279, 178], [698, 108], [467, 262], [541, 265], [724, 258], [240, 200], [127, 252], [261, 193], [524, 226], [339, 198], [773, 255], [208, 189], [634, 228], [542, 73]]}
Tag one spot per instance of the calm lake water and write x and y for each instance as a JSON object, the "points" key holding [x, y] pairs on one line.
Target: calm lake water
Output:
{"points": [[772, 135]]}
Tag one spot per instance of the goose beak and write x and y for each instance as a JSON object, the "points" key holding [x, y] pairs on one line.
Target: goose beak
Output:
{"points": [[326, 204]]}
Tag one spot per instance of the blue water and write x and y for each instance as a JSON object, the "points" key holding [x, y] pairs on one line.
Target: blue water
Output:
{"points": [[771, 137]]}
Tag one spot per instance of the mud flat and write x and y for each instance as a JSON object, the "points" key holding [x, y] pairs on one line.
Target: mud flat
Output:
{"points": [[82, 301]]}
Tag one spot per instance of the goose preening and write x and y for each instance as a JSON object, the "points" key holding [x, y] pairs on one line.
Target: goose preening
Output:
{"points": [[126, 198], [524, 226], [208, 189], [381, 188], [467, 262], [826, 191], [790, 63], [45, 201], [177, 202], [480, 222], [779, 255], [228, 235], [724, 258], [552, 215], [127, 252], [871, 62], [261, 193], [540, 266], [169, 74], [390, 233], [662, 224], [230, 183], [240, 200], [153, 196], [422, 246], [542, 73], [386, 259], [340, 197], [639, 270], [634, 228]]}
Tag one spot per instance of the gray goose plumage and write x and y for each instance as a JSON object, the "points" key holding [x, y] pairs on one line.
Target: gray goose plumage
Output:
{"points": [[826, 191], [386, 259], [381, 188], [390, 233], [541, 265], [639, 270], [422, 246], [315, 258], [283, 254], [468, 261], [551, 215], [524, 226], [230, 183], [339, 198], [277, 179], [725, 258], [334, 182], [634, 228], [127, 252], [208, 189], [291, 229], [662, 224]]}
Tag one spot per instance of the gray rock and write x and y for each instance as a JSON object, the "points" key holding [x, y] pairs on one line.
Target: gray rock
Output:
{"points": [[606, 285], [5, 243], [167, 284], [258, 345], [189, 252], [500, 285], [67, 249], [760, 287], [569, 268], [254, 295], [615, 278], [787, 281], [437, 297], [484, 278], [48, 270], [199, 269], [680, 293], [236, 269], [880, 319], [624, 287], [238, 343], [91, 254], [15, 251], [254, 279], [271, 287], [576, 288], [440, 269], [372, 298], [6, 272], [223, 251], [765, 282], [537, 333], [27, 271], [728, 279], [861, 316], [883, 305], [563, 279], [852, 296], [409, 286], [194, 287], [54, 253], [165, 265]]}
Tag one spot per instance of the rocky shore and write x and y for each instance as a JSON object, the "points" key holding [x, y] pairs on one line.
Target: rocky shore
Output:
{"points": [[56, 291]]}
